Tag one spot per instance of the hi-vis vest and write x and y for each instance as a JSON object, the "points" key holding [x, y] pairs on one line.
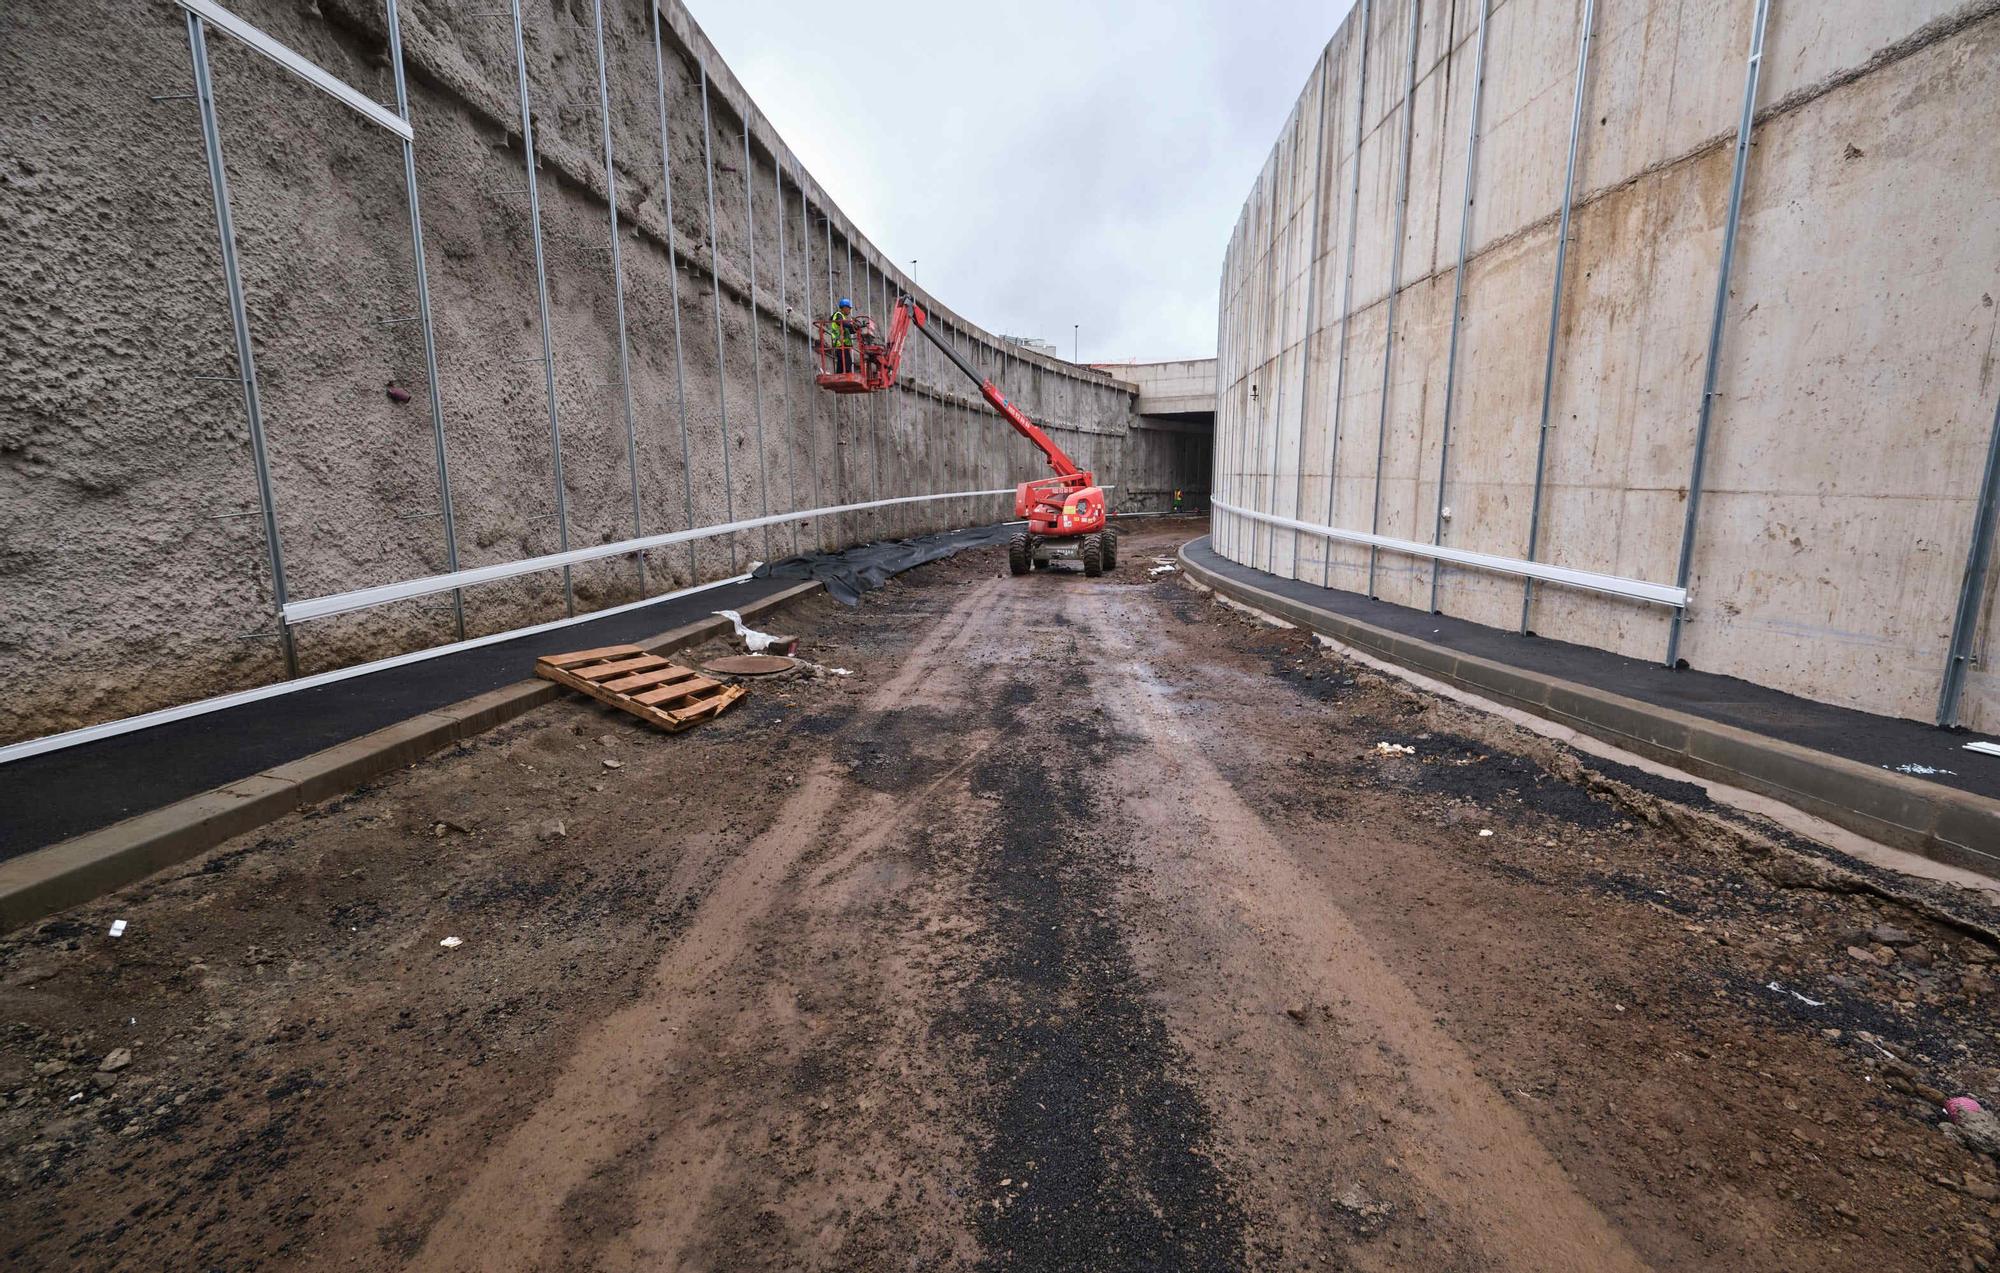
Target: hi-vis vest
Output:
{"points": [[836, 326]]}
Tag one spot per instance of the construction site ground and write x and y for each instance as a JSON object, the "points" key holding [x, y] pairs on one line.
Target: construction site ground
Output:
{"points": [[1088, 924]]}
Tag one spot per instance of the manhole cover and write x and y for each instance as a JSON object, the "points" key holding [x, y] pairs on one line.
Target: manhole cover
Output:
{"points": [[750, 665]]}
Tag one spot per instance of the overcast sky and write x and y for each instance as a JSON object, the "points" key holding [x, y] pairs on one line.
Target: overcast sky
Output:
{"points": [[1044, 162]]}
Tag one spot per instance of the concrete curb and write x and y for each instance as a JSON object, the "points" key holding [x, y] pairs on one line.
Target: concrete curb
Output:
{"points": [[38, 884], [1948, 826]]}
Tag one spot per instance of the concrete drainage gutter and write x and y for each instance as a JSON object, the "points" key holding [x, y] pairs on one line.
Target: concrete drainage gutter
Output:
{"points": [[1945, 825], [41, 883]]}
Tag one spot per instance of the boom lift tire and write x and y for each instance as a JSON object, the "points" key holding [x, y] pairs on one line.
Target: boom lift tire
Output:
{"points": [[1110, 537], [1093, 556], [1018, 560]]}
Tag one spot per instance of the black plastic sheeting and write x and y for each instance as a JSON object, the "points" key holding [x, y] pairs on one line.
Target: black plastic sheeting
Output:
{"points": [[849, 573]]}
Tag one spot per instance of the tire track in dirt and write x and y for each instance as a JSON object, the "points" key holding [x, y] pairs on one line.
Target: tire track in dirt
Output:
{"points": [[509, 1214], [1095, 1147], [1250, 939]]}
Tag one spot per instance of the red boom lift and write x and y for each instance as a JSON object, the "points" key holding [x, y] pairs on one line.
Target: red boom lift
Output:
{"points": [[1066, 514]]}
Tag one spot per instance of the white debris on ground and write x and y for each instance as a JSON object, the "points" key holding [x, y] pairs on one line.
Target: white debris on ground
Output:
{"points": [[1925, 770], [451, 943], [1394, 749], [754, 641]]}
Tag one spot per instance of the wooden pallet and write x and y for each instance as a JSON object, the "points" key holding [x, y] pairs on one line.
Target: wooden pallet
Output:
{"points": [[656, 690]]}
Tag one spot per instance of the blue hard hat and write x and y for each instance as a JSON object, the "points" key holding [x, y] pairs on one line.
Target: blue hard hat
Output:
{"points": [[845, 303]]}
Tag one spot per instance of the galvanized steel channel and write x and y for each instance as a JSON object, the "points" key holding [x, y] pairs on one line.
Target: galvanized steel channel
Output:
{"points": [[1282, 309], [1972, 589], [424, 314], [618, 287], [1347, 293], [239, 320], [1312, 310], [542, 299], [715, 280], [756, 337], [1555, 303], [1395, 286], [1745, 123], [1458, 292], [674, 288], [785, 338]]}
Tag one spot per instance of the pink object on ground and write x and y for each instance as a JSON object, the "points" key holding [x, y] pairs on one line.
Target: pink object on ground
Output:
{"points": [[1959, 1106]]}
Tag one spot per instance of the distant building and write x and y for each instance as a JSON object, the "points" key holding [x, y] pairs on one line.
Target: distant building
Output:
{"points": [[1029, 342]]}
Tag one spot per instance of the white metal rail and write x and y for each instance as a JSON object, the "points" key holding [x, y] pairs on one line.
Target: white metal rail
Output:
{"points": [[366, 598], [1587, 580], [298, 64]]}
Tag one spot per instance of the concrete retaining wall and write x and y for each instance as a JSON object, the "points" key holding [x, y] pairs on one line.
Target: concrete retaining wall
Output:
{"points": [[134, 577], [1857, 377]]}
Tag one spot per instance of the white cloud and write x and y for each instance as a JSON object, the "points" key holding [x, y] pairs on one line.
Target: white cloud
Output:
{"points": [[1045, 163]]}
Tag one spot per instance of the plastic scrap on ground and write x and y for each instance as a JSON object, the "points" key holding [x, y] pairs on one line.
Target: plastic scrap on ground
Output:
{"points": [[117, 928], [1775, 988], [1394, 749], [451, 943], [754, 641]]}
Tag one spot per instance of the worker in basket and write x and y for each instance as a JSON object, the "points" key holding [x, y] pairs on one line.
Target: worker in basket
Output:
{"points": [[840, 332]]}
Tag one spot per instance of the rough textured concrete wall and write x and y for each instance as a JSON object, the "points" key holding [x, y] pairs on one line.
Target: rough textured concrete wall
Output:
{"points": [[1857, 377], [135, 578]]}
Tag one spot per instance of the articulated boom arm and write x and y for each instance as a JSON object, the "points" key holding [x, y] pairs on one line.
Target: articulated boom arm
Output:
{"points": [[1058, 459]]}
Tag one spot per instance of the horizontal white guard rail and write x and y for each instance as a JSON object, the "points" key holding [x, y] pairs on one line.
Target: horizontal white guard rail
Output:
{"points": [[1589, 581], [365, 598], [201, 707], [250, 37]]}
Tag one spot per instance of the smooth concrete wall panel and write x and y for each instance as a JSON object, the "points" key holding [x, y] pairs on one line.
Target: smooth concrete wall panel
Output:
{"points": [[1628, 395], [1856, 395], [1839, 487], [1491, 476], [128, 481], [1524, 124]]}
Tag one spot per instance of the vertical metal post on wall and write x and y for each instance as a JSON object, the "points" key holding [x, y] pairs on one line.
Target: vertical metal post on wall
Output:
{"points": [[542, 299], [1283, 321], [618, 289], [1555, 305], [1274, 401], [239, 321], [1972, 589], [1395, 287], [1312, 313], [674, 289], [875, 416], [424, 317], [1347, 292], [1458, 294], [1247, 353], [1219, 441], [785, 339], [756, 337], [812, 400], [1745, 122], [715, 281]]}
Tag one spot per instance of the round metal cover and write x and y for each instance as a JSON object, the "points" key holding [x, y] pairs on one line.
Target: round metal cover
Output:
{"points": [[750, 665]]}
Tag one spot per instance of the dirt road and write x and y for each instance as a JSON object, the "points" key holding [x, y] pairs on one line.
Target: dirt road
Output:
{"points": [[1089, 925]]}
